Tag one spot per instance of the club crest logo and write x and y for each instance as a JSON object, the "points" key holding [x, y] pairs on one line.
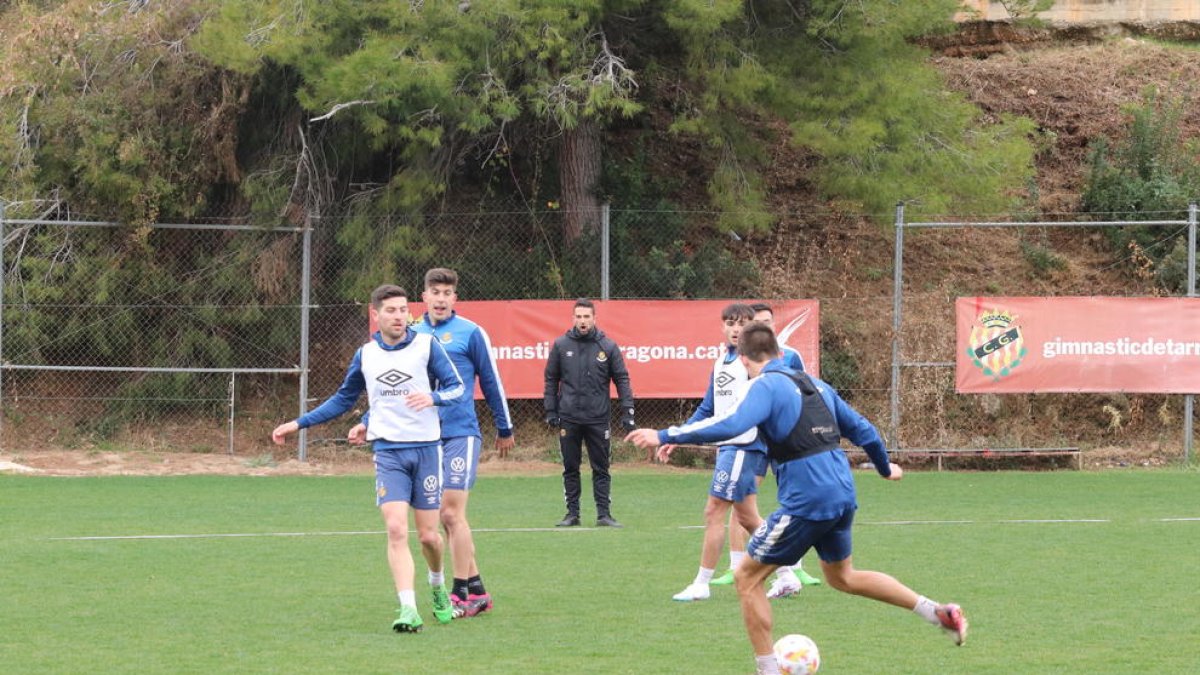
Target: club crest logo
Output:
{"points": [[602, 357], [446, 338], [996, 345]]}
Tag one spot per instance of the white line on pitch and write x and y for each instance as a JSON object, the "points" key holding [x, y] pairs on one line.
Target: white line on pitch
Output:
{"points": [[230, 535]]}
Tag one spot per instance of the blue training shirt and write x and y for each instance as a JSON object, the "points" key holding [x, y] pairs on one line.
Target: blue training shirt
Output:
{"points": [[818, 487], [468, 346], [448, 388]]}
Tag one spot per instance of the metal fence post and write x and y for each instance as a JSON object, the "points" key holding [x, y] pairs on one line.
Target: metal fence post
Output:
{"points": [[305, 301], [232, 404], [2, 235], [897, 286], [1188, 400], [605, 259]]}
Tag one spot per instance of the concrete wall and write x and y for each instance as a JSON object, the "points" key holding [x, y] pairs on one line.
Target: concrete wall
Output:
{"points": [[1077, 12]]}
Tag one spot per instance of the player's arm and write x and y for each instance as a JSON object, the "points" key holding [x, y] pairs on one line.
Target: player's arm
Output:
{"points": [[480, 352], [752, 410], [706, 407], [859, 431], [448, 384], [333, 407]]}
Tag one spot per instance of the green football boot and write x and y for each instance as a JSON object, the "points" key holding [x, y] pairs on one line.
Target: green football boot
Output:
{"points": [[443, 610], [806, 578], [407, 620], [725, 579]]}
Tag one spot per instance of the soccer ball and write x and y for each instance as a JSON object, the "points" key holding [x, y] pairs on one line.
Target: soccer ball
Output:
{"points": [[797, 654]]}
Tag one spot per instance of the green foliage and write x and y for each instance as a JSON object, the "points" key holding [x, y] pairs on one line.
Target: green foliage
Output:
{"points": [[1041, 258], [839, 367], [858, 93], [1150, 175], [107, 112]]}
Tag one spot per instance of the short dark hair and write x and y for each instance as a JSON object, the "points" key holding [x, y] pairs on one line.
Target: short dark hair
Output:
{"points": [[584, 302], [737, 310], [386, 291], [441, 275], [757, 342], [762, 307]]}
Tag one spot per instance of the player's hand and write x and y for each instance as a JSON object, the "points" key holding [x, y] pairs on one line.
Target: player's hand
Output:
{"points": [[419, 401], [897, 472], [357, 434], [664, 453], [281, 431], [504, 444], [553, 420], [643, 438]]}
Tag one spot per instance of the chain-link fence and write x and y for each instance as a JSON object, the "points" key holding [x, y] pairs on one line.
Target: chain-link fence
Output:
{"points": [[192, 337]]}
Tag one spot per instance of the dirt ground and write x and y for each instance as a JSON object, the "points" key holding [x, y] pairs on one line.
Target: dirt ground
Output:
{"points": [[135, 463]]}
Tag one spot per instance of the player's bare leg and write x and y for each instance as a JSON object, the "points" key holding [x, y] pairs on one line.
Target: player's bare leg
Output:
{"points": [[756, 609], [715, 511], [842, 576], [458, 533]]}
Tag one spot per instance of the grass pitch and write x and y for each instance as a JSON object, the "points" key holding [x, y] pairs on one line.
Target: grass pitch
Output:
{"points": [[1071, 572]]}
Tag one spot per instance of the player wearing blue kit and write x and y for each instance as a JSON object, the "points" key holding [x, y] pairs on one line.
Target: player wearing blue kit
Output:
{"points": [[405, 374], [469, 348], [802, 421]]}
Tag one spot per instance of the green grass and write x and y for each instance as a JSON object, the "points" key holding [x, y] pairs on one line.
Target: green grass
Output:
{"points": [[1115, 596]]}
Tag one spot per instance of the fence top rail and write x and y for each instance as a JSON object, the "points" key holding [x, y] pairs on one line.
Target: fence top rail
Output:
{"points": [[1041, 223], [134, 369], [979, 450], [162, 226]]}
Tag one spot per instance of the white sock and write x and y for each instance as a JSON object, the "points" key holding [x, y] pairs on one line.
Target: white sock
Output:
{"points": [[927, 609], [408, 598], [704, 576], [766, 665], [786, 575], [735, 559], [436, 578]]}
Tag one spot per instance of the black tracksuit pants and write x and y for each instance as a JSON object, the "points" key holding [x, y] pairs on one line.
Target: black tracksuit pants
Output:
{"points": [[571, 439]]}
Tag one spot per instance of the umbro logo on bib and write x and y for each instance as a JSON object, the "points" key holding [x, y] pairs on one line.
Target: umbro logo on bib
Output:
{"points": [[394, 378], [724, 380]]}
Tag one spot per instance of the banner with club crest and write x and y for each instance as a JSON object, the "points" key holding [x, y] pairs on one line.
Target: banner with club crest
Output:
{"points": [[1077, 344]]}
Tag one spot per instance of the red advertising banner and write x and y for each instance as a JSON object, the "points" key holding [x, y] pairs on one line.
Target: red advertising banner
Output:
{"points": [[669, 345], [1083, 344]]}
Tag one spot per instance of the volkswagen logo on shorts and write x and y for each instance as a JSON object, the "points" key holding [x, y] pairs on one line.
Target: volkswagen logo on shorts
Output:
{"points": [[762, 530], [722, 476], [458, 464], [431, 483]]}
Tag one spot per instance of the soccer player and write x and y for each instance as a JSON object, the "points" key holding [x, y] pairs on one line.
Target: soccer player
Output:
{"points": [[741, 462], [469, 348], [802, 421], [405, 375], [785, 585]]}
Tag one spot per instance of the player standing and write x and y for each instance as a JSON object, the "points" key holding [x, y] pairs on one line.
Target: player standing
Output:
{"points": [[405, 374]]}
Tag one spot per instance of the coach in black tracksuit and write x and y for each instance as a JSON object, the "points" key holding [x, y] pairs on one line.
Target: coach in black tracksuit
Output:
{"points": [[581, 364]]}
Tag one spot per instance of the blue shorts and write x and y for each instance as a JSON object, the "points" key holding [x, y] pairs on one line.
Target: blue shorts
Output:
{"points": [[784, 539], [736, 474], [460, 460], [412, 475]]}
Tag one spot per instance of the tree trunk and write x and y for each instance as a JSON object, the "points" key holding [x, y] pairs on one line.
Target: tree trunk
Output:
{"points": [[579, 179]]}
